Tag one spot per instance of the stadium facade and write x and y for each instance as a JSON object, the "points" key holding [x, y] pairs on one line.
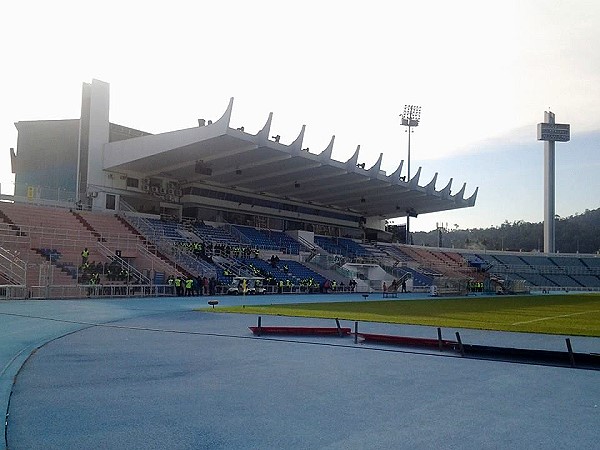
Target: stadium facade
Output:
{"points": [[214, 173]]}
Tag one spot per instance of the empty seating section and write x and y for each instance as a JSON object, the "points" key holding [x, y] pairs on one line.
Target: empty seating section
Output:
{"points": [[419, 279], [256, 238], [568, 262], [592, 263], [477, 262], [169, 230], [112, 231], [543, 271], [53, 256], [507, 260], [429, 264], [536, 279], [285, 241], [538, 261], [296, 271], [216, 235], [563, 280], [269, 239], [341, 246], [398, 254], [453, 258], [587, 280]]}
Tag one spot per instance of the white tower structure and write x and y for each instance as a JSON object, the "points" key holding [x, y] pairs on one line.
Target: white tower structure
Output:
{"points": [[550, 132]]}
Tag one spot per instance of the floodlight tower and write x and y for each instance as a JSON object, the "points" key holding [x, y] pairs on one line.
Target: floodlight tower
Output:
{"points": [[410, 118]]}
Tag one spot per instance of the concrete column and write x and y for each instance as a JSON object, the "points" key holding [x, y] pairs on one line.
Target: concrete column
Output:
{"points": [[98, 135], [549, 189]]}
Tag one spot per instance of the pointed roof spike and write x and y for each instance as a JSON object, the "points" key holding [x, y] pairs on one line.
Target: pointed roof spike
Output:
{"points": [[445, 193], [263, 135], [297, 144], [431, 186], [395, 177], [326, 154], [374, 170], [472, 198], [351, 163], [459, 195], [414, 181], [226, 117]]}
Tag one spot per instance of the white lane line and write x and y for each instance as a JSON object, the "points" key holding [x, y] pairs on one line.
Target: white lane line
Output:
{"points": [[556, 317]]}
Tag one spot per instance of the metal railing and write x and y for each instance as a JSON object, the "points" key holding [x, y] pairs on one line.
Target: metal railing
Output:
{"points": [[545, 270], [99, 290], [13, 291], [124, 264], [12, 267]]}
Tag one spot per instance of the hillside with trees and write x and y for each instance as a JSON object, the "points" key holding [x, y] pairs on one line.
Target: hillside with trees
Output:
{"points": [[579, 233]]}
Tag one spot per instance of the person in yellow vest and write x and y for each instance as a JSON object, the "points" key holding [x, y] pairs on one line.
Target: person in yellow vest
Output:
{"points": [[170, 282], [244, 286], [178, 286], [189, 285], [85, 254]]}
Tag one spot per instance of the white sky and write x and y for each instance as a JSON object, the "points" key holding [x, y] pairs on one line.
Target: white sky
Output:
{"points": [[482, 71]]}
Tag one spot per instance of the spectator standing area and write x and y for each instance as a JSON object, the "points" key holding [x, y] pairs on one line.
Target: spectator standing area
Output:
{"points": [[154, 373]]}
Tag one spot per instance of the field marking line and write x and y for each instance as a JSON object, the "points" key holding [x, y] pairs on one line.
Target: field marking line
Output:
{"points": [[555, 317]]}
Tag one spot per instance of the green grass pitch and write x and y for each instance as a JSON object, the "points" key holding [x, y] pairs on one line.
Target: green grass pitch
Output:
{"points": [[572, 314]]}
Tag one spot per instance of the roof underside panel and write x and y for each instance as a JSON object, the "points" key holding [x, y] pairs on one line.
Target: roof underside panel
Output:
{"points": [[225, 157]]}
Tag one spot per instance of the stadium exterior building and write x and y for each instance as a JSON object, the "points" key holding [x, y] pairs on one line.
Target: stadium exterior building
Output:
{"points": [[215, 173]]}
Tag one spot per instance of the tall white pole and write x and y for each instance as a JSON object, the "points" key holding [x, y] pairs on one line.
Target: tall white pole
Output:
{"points": [[410, 118], [549, 189], [407, 238]]}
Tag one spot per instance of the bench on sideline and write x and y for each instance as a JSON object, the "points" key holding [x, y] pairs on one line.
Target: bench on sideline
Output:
{"points": [[409, 341], [306, 331]]}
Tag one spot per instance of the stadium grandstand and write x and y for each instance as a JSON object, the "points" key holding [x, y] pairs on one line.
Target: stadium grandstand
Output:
{"points": [[216, 204]]}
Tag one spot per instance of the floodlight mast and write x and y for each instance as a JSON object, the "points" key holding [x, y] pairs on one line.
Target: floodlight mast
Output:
{"points": [[410, 118]]}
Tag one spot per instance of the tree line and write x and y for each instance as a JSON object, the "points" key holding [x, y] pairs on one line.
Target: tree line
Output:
{"points": [[579, 233]]}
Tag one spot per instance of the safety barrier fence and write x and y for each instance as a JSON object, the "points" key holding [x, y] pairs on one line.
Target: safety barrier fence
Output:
{"points": [[12, 291], [106, 290]]}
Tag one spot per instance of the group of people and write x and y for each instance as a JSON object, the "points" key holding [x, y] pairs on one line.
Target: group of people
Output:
{"points": [[90, 272], [192, 286], [476, 286]]}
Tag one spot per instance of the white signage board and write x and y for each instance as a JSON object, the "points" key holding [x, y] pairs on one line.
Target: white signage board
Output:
{"points": [[560, 132]]}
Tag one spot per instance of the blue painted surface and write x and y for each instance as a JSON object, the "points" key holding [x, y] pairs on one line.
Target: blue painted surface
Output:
{"points": [[159, 375]]}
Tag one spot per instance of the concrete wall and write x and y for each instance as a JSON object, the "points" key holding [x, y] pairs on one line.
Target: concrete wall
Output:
{"points": [[47, 157]]}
